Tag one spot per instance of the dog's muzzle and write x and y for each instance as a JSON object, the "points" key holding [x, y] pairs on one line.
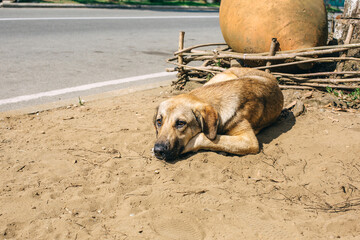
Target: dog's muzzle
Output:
{"points": [[163, 152]]}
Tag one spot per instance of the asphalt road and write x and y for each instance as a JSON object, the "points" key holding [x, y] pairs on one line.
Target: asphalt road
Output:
{"points": [[42, 50]]}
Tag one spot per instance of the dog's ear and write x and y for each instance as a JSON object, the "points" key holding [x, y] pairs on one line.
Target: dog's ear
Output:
{"points": [[154, 119], [208, 120]]}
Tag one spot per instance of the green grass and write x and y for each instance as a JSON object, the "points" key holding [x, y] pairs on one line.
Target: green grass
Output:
{"points": [[351, 98], [332, 9], [120, 2]]}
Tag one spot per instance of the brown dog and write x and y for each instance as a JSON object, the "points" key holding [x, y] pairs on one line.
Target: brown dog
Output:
{"points": [[223, 115]]}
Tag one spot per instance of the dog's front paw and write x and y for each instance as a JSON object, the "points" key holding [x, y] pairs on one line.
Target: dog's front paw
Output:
{"points": [[195, 143]]}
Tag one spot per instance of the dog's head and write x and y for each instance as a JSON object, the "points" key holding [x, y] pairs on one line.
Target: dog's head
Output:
{"points": [[179, 119]]}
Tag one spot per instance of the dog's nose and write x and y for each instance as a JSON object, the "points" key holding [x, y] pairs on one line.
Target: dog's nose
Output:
{"points": [[160, 150]]}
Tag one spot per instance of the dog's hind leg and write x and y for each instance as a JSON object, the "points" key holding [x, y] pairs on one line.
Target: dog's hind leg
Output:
{"points": [[240, 141]]}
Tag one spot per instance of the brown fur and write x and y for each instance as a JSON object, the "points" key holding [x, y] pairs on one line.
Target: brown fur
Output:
{"points": [[223, 115]]}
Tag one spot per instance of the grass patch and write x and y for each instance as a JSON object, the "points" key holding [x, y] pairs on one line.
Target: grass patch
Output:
{"points": [[351, 98], [120, 2], [331, 9]]}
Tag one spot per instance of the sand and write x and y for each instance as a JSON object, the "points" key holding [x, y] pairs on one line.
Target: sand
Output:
{"points": [[87, 172]]}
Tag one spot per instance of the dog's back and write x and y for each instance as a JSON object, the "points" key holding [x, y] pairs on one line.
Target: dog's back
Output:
{"points": [[236, 73], [252, 95]]}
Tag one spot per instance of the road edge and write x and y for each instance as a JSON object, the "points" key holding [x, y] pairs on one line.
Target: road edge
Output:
{"points": [[90, 98]]}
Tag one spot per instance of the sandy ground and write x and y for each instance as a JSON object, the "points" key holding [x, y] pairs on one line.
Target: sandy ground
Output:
{"points": [[87, 172]]}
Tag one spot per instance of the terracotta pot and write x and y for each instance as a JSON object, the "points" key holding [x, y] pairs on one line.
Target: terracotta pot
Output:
{"points": [[249, 25]]}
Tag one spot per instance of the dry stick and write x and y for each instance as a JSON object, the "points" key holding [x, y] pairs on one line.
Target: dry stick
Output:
{"points": [[293, 55], [252, 57], [329, 59], [181, 75], [318, 85], [307, 61], [206, 69], [197, 79], [294, 87], [272, 51], [347, 46], [171, 70], [353, 45], [205, 63], [207, 55], [322, 80], [317, 74], [263, 58], [327, 85], [173, 58], [316, 50], [181, 46], [332, 27], [197, 46], [201, 52], [340, 66]]}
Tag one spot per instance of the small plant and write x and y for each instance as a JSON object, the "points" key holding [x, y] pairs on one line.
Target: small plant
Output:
{"points": [[209, 76], [218, 63], [352, 99], [332, 91], [331, 9], [355, 95], [81, 102]]}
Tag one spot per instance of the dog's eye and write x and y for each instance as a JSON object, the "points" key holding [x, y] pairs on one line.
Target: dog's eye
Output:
{"points": [[158, 122], [180, 124]]}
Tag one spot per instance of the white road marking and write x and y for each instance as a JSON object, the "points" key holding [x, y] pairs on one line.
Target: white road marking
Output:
{"points": [[108, 18], [83, 88]]}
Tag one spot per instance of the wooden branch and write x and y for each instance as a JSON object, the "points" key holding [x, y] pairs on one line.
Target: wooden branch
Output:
{"points": [[171, 69], [198, 53], [251, 57], [329, 59], [349, 46], [340, 65], [172, 59], [303, 50], [295, 87], [317, 74], [205, 63], [308, 61], [272, 52], [197, 79], [319, 85], [332, 26], [181, 46], [322, 80], [197, 46], [206, 69], [335, 80]]}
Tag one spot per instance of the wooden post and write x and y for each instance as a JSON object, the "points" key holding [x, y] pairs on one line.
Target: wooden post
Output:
{"points": [[340, 65], [332, 26], [272, 52], [347, 30], [181, 47], [352, 9], [181, 75]]}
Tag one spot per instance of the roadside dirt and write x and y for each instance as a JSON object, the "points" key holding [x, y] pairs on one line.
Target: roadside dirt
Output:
{"points": [[87, 172]]}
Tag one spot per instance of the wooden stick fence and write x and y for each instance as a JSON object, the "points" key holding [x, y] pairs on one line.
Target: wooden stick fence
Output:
{"points": [[217, 60]]}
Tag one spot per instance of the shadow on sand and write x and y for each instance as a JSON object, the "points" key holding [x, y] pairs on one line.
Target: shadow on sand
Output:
{"points": [[285, 122]]}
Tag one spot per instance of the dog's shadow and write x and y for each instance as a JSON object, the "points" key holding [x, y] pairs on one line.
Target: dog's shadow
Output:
{"points": [[284, 123]]}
